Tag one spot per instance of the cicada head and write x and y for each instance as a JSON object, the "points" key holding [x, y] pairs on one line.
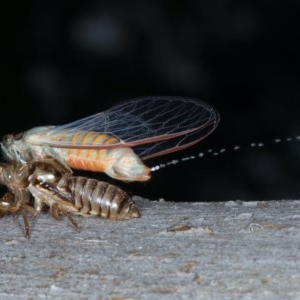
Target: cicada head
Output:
{"points": [[10, 147], [24, 147]]}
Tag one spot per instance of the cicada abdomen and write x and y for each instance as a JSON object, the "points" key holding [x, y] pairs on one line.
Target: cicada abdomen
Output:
{"points": [[77, 149], [86, 159], [98, 198], [117, 162]]}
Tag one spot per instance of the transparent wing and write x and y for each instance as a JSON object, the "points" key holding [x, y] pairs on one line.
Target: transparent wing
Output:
{"points": [[153, 126]]}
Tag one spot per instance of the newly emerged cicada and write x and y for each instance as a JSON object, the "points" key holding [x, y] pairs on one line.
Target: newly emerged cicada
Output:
{"points": [[116, 141], [48, 184]]}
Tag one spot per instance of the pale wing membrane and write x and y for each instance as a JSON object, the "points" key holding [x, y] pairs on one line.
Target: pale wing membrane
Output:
{"points": [[152, 125]]}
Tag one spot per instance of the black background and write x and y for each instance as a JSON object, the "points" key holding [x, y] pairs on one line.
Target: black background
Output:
{"points": [[69, 59]]}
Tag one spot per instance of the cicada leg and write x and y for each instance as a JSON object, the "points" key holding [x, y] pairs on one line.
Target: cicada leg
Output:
{"points": [[59, 165], [22, 198], [57, 159], [25, 210], [19, 202], [57, 210]]}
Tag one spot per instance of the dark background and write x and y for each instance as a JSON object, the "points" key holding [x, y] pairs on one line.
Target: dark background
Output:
{"points": [[69, 59]]}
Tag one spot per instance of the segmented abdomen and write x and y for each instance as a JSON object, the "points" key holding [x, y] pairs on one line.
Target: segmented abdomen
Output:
{"points": [[101, 199], [87, 159]]}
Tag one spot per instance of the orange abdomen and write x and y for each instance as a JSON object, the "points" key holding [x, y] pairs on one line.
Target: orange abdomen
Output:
{"points": [[95, 160]]}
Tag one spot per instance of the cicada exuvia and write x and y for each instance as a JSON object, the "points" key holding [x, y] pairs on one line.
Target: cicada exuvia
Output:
{"points": [[46, 184]]}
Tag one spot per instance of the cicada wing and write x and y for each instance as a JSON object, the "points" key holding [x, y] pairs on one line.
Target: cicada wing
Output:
{"points": [[153, 126]]}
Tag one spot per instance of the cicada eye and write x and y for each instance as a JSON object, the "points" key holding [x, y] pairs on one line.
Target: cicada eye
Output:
{"points": [[7, 139]]}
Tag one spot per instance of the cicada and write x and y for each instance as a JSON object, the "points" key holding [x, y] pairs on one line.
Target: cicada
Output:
{"points": [[35, 186], [118, 140]]}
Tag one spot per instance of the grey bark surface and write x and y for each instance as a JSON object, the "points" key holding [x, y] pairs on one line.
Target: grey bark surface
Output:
{"points": [[225, 250]]}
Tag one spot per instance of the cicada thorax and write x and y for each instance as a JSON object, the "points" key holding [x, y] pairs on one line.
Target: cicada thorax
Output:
{"points": [[118, 162]]}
